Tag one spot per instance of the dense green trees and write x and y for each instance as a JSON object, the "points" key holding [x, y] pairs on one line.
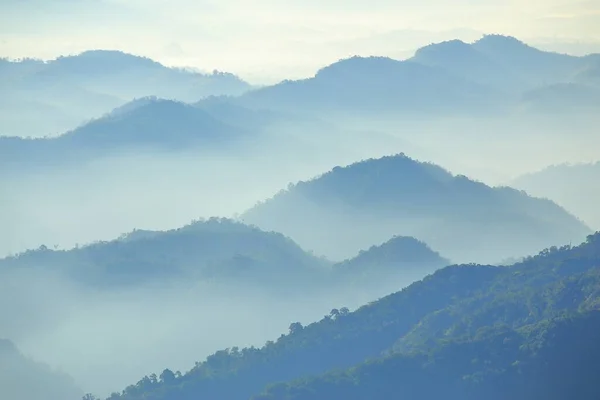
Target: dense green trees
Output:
{"points": [[214, 249], [554, 359], [469, 331]]}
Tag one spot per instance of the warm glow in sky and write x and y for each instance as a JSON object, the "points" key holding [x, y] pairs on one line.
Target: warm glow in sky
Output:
{"points": [[265, 40]]}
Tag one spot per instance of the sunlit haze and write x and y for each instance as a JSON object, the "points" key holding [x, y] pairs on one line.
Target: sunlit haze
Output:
{"points": [[268, 40]]}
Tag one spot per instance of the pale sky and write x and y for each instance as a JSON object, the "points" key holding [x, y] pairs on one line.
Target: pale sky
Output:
{"points": [[269, 40]]}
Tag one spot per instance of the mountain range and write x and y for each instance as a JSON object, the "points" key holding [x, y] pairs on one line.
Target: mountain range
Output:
{"points": [[148, 124], [227, 252], [347, 208], [443, 286], [492, 75], [42, 98], [495, 76], [482, 332], [211, 249]]}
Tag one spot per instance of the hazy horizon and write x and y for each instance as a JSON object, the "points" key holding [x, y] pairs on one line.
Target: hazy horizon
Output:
{"points": [[270, 43]]}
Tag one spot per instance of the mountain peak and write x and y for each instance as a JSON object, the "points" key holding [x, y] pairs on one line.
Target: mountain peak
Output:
{"points": [[396, 194], [495, 39], [357, 65], [112, 55], [449, 46], [398, 251], [102, 61]]}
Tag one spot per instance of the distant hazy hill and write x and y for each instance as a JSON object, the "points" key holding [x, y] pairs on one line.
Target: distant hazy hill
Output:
{"points": [[574, 187], [399, 252], [351, 208], [228, 251], [534, 65], [214, 249], [385, 268], [375, 85], [161, 123], [487, 76], [51, 97], [464, 60], [502, 62], [144, 124], [128, 76], [23, 379]]}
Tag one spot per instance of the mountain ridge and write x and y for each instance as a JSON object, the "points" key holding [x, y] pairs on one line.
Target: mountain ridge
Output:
{"points": [[398, 195], [346, 339]]}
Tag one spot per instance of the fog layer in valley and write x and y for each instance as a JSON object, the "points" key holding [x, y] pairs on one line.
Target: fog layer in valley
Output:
{"points": [[148, 327], [110, 196], [83, 331], [105, 197]]}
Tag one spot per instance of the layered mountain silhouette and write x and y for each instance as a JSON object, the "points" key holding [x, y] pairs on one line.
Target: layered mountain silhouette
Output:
{"points": [[534, 66], [215, 249], [22, 378], [128, 76], [489, 75], [374, 85], [228, 252], [51, 97], [397, 253], [348, 208], [522, 331], [144, 124], [385, 268], [465, 60], [543, 81], [471, 331]]}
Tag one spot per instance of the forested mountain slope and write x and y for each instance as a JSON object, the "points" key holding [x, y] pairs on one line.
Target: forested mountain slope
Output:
{"points": [[145, 125], [557, 282], [555, 359], [50, 97], [210, 249], [350, 208]]}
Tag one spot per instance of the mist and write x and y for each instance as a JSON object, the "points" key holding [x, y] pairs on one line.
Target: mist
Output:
{"points": [[112, 315], [106, 196], [109, 338]]}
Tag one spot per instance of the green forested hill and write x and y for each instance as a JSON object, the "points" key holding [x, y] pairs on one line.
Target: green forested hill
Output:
{"points": [[345, 209], [207, 250], [555, 359], [455, 309]]}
